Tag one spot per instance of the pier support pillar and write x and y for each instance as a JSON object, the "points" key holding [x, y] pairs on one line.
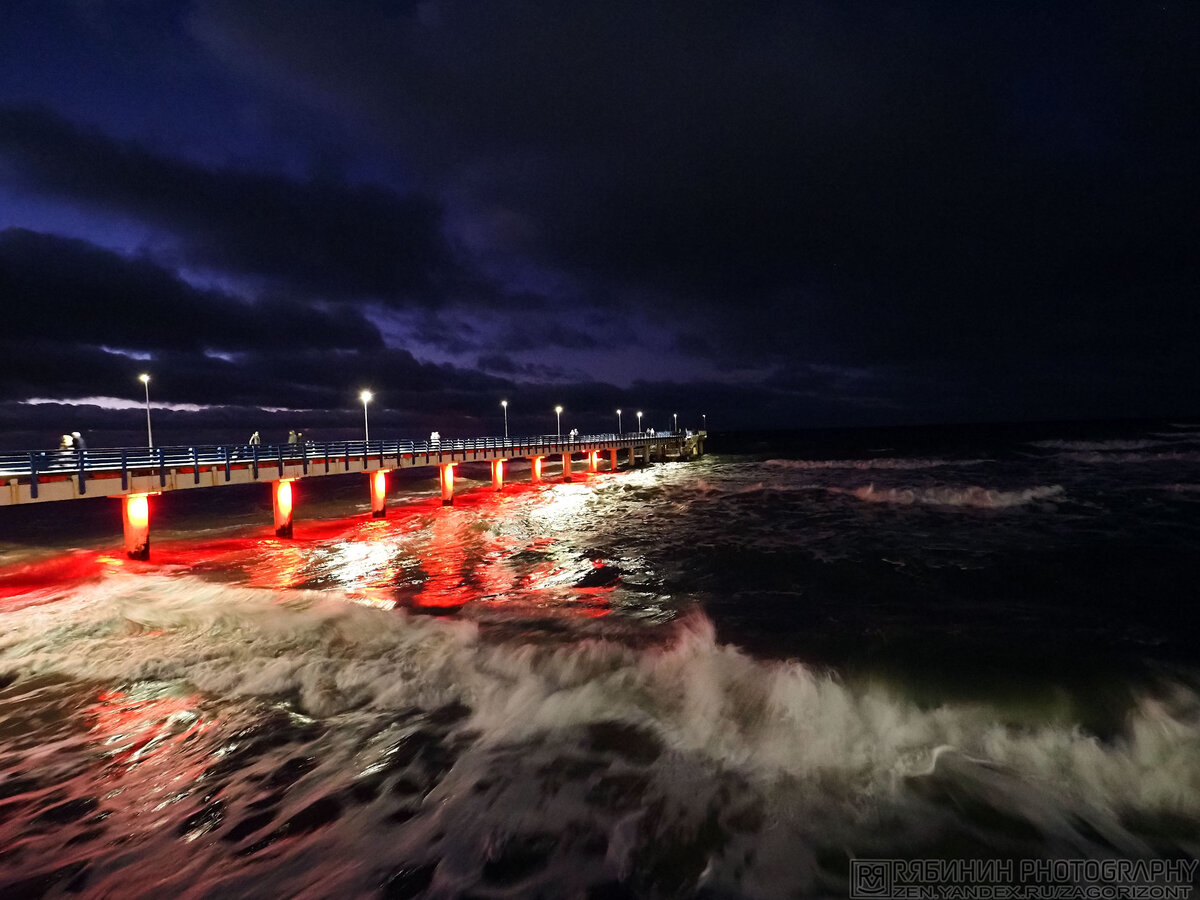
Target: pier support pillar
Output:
{"points": [[612, 459], [632, 457], [281, 505], [497, 474], [566, 473], [535, 469], [446, 477], [135, 517], [378, 493], [594, 461]]}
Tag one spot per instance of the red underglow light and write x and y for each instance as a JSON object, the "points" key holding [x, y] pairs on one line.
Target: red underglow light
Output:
{"points": [[284, 497], [138, 508]]}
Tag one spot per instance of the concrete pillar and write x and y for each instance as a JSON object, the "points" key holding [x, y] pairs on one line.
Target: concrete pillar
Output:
{"points": [[281, 505], [378, 480], [612, 459], [632, 457], [535, 469], [593, 460], [497, 474], [135, 517], [446, 477], [566, 466]]}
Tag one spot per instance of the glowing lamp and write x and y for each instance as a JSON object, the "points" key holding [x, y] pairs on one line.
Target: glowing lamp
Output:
{"points": [[285, 498], [138, 508]]}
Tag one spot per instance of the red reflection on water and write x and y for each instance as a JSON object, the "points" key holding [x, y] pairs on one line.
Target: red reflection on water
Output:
{"points": [[134, 731], [38, 582], [425, 556], [451, 560], [278, 564]]}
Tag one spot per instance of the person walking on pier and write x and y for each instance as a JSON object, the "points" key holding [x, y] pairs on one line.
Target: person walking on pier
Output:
{"points": [[254, 441], [80, 443], [292, 436]]}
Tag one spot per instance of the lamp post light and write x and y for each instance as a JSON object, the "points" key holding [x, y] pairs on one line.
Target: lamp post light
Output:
{"points": [[675, 416], [504, 404], [558, 420], [366, 397], [639, 421], [618, 421], [145, 380], [704, 420]]}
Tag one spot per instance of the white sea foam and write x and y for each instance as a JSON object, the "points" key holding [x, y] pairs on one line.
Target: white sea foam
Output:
{"points": [[1094, 457], [881, 463], [1176, 488], [698, 696], [969, 496], [1102, 446]]}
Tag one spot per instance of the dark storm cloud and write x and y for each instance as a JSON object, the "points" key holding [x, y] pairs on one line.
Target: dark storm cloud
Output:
{"points": [[854, 184], [319, 237], [81, 321], [67, 290], [896, 212], [503, 364]]}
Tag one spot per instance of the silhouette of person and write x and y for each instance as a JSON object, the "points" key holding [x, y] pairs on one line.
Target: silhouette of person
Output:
{"points": [[292, 436], [80, 443]]}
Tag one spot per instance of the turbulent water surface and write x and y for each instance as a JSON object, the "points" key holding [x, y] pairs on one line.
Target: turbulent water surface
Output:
{"points": [[725, 677]]}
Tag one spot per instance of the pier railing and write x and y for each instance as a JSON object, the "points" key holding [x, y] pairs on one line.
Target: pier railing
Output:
{"points": [[136, 473], [124, 460]]}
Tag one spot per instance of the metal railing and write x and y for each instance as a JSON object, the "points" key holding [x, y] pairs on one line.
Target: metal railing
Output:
{"points": [[126, 460]]}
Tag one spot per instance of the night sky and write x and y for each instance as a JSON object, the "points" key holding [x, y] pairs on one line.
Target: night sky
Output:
{"points": [[777, 214]]}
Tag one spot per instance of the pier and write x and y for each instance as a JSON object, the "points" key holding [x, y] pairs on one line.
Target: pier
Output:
{"points": [[133, 474]]}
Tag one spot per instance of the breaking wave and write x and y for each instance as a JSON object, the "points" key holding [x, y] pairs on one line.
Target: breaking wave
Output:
{"points": [[329, 657], [882, 463], [554, 766], [970, 496], [1139, 444], [1131, 457]]}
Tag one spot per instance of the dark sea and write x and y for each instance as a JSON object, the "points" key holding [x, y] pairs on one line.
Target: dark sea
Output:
{"points": [[731, 677]]}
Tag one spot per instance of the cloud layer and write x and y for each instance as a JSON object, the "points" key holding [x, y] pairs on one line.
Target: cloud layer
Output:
{"points": [[806, 212]]}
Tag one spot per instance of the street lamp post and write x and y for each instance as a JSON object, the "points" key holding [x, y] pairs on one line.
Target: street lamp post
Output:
{"points": [[558, 420], [366, 397], [639, 421], [145, 380], [704, 419], [675, 416], [618, 421], [504, 403]]}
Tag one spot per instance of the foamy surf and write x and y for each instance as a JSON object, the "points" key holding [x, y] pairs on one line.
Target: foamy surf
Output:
{"points": [[867, 464], [972, 496], [327, 656], [564, 708]]}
